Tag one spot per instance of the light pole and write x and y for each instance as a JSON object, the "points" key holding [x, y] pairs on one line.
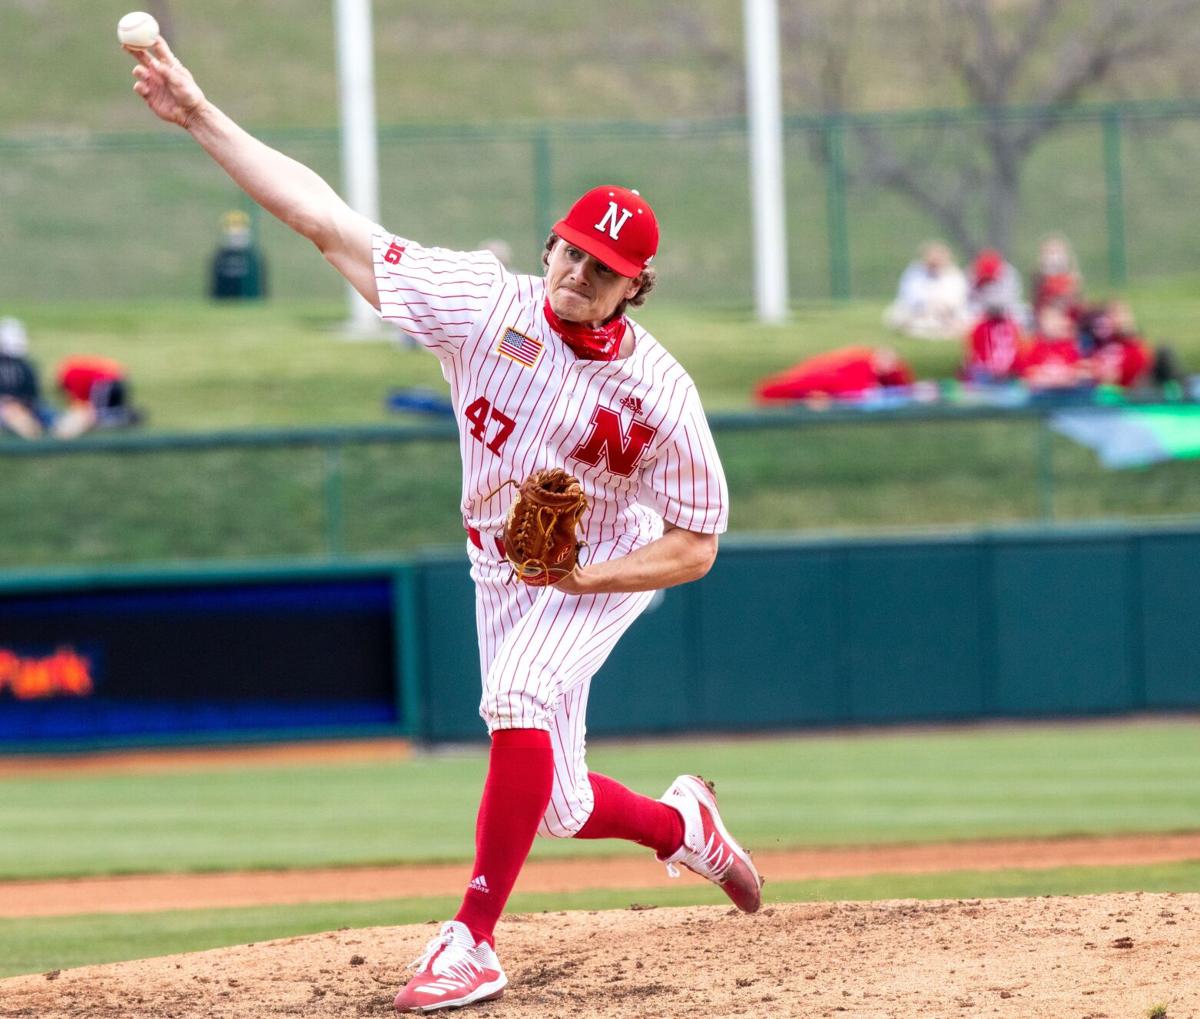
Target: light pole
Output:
{"points": [[765, 118], [360, 154]]}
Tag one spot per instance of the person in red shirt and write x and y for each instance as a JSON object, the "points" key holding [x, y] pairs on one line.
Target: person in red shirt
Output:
{"points": [[91, 379], [1053, 359], [845, 372], [1057, 279], [97, 391], [993, 349], [1119, 355]]}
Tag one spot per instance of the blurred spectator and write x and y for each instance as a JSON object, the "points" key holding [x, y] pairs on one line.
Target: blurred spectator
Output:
{"points": [[1119, 355], [1057, 280], [931, 300], [238, 267], [993, 350], [21, 410], [845, 372], [995, 289], [97, 391], [1053, 360]]}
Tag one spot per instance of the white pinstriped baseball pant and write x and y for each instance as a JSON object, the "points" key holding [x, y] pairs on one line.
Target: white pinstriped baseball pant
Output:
{"points": [[538, 651]]}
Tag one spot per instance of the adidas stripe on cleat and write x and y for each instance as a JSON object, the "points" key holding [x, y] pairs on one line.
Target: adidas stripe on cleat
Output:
{"points": [[708, 849], [452, 971]]}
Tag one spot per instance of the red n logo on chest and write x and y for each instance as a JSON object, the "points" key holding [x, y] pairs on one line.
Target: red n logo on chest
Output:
{"points": [[608, 439]]}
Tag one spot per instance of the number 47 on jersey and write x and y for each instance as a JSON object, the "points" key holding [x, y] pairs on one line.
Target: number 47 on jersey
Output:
{"points": [[606, 439]]}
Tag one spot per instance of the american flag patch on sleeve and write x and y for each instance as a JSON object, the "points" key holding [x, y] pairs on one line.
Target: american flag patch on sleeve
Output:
{"points": [[525, 350]]}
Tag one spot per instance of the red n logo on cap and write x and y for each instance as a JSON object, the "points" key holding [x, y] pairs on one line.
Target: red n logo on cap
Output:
{"points": [[613, 220]]}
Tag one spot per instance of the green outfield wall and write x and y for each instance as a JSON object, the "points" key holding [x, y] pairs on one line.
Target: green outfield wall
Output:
{"points": [[1031, 623], [1036, 623]]}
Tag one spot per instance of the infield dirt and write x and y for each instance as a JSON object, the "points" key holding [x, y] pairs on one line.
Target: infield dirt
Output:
{"points": [[1089, 957]]}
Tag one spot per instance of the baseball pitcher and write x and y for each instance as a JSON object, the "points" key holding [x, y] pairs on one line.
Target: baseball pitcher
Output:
{"points": [[558, 393]]}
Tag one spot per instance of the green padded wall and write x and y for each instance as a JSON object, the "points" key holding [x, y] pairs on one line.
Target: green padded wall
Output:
{"points": [[639, 686], [1062, 627], [1169, 598], [449, 684], [779, 635], [764, 632], [827, 632], [911, 631]]}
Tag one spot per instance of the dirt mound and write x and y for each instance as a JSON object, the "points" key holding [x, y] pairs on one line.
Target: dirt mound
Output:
{"points": [[1088, 957]]}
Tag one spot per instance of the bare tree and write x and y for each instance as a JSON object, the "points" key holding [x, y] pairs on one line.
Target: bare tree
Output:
{"points": [[997, 53]]}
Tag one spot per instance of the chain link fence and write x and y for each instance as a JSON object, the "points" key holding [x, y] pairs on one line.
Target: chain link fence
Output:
{"points": [[137, 216]]}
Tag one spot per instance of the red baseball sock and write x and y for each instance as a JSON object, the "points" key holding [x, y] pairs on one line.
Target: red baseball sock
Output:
{"points": [[621, 813], [515, 796]]}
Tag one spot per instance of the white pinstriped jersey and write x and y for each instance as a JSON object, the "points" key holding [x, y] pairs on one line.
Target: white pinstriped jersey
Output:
{"points": [[632, 430]]}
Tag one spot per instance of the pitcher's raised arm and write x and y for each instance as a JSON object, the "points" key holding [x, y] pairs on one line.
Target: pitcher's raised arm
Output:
{"points": [[288, 190]]}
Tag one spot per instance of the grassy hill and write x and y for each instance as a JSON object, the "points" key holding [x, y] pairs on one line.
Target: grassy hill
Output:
{"points": [[271, 62], [205, 365], [199, 367], [496, 115]]}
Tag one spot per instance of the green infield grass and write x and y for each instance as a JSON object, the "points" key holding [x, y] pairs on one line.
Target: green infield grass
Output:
{"points": [[804, 790], [46, 943]]}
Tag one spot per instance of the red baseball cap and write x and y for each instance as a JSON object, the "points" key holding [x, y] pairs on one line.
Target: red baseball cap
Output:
{"points": [[615, 226], [988, 264]]}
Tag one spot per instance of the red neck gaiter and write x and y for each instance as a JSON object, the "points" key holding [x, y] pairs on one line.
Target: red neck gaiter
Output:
{"points": [[601, 344]]}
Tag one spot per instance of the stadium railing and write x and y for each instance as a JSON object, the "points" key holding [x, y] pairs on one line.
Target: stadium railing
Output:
{"points": [[356, 492]]}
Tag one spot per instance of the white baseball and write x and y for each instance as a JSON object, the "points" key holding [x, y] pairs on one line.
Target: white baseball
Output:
{"points": [[137, 29]]}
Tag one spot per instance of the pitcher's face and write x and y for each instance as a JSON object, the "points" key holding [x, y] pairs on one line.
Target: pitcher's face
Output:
{"points": [[582, 289]]}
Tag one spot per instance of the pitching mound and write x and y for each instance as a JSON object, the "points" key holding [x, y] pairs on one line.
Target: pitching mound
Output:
{"points": [[1091, 956]]}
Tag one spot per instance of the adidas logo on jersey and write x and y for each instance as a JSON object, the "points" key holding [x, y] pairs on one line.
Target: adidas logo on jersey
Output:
{"points": [[480, 885]]}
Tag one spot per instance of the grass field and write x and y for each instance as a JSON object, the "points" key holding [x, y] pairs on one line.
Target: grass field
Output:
{"points": [[199, 367], [881, 787], [420, 68], [802, 791]]}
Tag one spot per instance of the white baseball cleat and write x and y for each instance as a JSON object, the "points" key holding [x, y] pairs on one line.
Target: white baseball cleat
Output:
{"points": [[452, 971], [708, 849]]}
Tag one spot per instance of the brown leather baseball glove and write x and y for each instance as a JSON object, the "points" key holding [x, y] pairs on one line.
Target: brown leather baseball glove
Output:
{"points": [[540, 533]]}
